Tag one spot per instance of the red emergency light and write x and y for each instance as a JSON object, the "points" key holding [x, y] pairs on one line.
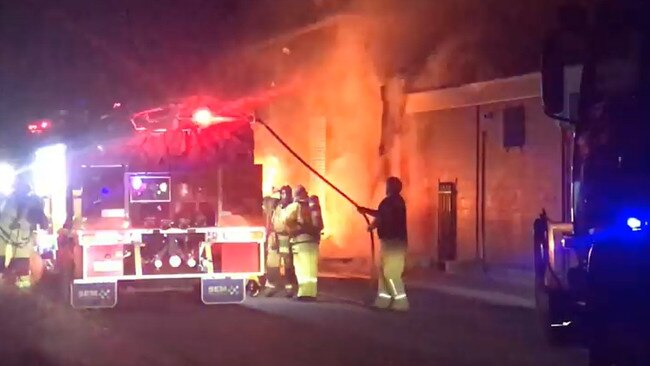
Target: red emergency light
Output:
{"points": [[203, 117], [197, 112], [39, 126]]}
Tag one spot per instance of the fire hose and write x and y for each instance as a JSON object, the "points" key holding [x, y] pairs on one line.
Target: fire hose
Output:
{"points": [[331, 185]]}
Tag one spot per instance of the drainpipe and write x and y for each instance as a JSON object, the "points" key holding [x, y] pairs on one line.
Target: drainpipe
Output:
{"points": [[478, 180], [566, 183], [483, 184]]}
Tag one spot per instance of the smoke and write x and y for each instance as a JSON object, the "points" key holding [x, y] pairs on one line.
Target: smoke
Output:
{"points": [[331, 117], [335, 66]]}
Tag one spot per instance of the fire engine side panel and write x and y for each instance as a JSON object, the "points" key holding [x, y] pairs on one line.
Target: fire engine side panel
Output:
{"points": [[110, 255]]}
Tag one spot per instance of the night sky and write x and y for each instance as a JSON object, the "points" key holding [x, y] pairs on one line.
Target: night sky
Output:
{"points": [[80, 55], [88, 53]]}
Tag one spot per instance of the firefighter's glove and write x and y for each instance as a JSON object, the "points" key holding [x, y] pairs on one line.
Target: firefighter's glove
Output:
{"points": [[372, 226], [363, 210]]}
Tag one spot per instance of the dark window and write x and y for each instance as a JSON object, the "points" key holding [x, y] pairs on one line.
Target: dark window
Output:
{"points": [[514, 127]]}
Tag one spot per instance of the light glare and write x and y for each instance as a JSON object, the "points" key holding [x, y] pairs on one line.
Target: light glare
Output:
{"points": [[634, 223], [136, 183], [49, 172], [7, 178], [203, 117], [191, 262], [175, 261]]}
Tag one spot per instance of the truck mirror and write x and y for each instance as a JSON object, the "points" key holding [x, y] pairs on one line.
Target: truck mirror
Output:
{"points": [[562, 48]]}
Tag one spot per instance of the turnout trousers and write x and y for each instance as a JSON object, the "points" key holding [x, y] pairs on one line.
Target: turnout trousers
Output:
{"points": [[279, 268], [305, 258], [391, 293], [19, 264]]}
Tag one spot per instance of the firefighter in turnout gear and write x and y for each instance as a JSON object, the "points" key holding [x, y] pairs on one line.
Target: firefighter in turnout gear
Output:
{"points": [[304, 243], [272, 255], [390, 223], [19, 216], [280, 263]]}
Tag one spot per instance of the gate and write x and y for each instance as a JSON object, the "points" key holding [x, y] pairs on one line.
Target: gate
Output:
{"points": [[447, 220]]}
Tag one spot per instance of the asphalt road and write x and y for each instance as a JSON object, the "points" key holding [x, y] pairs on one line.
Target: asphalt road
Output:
{"points": [[176, 329]]}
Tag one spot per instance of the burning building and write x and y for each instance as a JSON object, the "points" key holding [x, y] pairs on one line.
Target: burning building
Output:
{"points": [[327, 106], [357, 123]]}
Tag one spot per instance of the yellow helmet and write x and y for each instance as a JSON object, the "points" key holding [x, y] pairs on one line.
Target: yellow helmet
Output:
{"points": [[300, 193]]}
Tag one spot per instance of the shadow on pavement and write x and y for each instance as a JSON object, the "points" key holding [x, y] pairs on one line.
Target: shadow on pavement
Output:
{"points": [[28, 357]]}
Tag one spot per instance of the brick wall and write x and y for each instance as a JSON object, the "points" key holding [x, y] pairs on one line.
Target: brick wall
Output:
{"points": [[444, 150], [518, 181]]}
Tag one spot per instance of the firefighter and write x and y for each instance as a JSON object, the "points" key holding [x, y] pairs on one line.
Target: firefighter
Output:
{"points": [[304, 243], [19, 216], [272, 254], [390, 223], [282, 276], [65, 262]]}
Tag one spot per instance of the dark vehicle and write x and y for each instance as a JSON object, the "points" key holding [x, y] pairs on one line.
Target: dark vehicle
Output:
{"points": [[593, 270]]}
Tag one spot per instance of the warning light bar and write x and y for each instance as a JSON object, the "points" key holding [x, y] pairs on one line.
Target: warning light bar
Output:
{"points": [[186, 114], [39, 126], [203, 117]]}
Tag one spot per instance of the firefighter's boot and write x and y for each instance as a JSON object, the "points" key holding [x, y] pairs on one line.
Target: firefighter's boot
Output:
{"points": [[20, 267]]}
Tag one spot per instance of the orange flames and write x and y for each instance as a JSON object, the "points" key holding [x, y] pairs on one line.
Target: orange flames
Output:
{"points": [[271, 177]]}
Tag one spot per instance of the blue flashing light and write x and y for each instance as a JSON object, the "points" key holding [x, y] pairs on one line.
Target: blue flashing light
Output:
{"points": [[634, 223]]}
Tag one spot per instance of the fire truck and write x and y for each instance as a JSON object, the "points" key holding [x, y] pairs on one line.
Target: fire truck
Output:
{"points": [[170, 193], [593, 267]]}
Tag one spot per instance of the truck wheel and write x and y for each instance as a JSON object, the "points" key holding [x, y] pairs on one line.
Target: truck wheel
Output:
{"points": [[552, 310], [253, 288]]}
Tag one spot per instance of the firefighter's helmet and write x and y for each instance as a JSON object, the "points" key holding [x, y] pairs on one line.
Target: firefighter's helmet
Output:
{"points": [[286, 196], [300, 193], [22, 187], [393, 186]]}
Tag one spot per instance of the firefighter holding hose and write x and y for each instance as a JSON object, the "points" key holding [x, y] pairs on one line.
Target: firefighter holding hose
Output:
{"points": [[390, 223]]}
